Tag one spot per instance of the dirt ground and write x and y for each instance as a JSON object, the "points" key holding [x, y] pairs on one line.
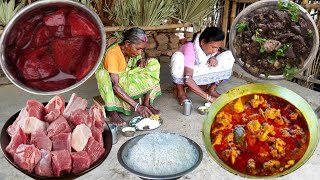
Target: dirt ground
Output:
{"points": [[13, 99]]}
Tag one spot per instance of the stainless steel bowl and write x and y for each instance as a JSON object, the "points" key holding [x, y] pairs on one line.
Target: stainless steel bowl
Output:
{"points": [[272, 4], [123, 153], [43, 6]]}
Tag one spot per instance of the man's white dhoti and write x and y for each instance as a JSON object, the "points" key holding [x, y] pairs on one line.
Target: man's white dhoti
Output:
{"points": [[202, 74]]}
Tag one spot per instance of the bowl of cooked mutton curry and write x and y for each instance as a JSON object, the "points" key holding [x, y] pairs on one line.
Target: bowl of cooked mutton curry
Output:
{"points": [[260, 130]]}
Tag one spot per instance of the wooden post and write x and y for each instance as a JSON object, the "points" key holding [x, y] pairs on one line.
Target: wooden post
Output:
{"points": [[225, 19], [233, 12]]}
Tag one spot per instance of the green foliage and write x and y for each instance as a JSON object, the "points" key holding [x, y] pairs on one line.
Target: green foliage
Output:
{"points": [[261, 41], [141, 12], [240, 27], [292, 8], [310, 33], [194, 11], [279, 53], [8, 9], [290, 71]]}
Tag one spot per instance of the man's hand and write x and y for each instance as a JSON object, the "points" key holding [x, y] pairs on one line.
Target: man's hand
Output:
{"points": [[212, 62], [142, 63]]}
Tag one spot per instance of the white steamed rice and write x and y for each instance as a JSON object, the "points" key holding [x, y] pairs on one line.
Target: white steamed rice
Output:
{"points": [[162, 154]]}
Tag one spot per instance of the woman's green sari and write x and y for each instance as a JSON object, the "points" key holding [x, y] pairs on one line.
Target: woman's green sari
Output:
{"points": [[135, 81]]}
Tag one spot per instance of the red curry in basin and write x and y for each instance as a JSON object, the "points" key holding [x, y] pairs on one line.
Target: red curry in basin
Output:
{"points": [[260, 135], [54, 49]]}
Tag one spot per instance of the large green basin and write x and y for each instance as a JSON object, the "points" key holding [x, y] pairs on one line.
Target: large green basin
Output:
{"points": [[271, 89]]}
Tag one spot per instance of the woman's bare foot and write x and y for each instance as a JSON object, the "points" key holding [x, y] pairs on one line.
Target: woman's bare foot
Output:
{"points": [[153, 110], [115, 118], [214, 94], [181, 99]]}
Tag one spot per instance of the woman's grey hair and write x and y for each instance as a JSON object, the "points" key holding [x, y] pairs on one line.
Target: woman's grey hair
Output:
{"points": [[135, 35]]}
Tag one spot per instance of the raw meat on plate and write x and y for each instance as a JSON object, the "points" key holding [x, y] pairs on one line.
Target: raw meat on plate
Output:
{"points": [[94, 149], [80, 137], [41, 140], [80, 161], [44, 167], [33, 124], [61, 162], [18, 138], [54, 108], [32, 109], [78, 117], [58, 126], [74, 103], [61, 141], [27, 157]]}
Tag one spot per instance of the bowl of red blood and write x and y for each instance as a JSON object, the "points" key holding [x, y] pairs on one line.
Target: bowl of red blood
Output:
{"points": [[51, 47]]}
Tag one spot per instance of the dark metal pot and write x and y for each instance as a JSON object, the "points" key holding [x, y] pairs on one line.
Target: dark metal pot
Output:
{"points": [[274, 90]]}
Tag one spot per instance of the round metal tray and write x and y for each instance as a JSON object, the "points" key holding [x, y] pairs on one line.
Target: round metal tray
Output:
{"points": [[123, 153]]}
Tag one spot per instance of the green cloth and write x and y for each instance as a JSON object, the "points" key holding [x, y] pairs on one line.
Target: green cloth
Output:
{"points": [[135, 81]]}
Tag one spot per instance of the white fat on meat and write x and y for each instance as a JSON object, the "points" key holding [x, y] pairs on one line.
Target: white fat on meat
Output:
{"points": [[74, 103], [80, 137], [33, 124]]}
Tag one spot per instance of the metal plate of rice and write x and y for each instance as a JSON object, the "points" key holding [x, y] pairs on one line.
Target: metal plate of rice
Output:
{"points": [[160, 155]]}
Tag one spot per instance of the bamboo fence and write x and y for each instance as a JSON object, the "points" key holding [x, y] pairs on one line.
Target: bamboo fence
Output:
{"points": [[310, 77]]}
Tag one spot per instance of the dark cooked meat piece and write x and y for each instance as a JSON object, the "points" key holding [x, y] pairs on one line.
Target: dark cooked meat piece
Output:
{"points": [[282, 16]]}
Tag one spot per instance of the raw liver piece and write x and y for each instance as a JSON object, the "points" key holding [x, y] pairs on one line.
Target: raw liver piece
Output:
{"points": [[41, 36], [80, 161], [94, 149], [37, 64], [61, 141], [41, 140], [55, 19], [61, 162], [44, 168], [27, 156], [58, 126], [67, 53], [89, 60], [19, 138], [80, 25], [80, 136], [51, 85]]}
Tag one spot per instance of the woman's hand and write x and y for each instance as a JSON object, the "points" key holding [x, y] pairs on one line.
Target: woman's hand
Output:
{"points": [[144, 111], [142, 63], [212, 62]]}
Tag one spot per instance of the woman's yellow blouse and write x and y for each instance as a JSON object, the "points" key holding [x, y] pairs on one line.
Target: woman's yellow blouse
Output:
{"points": [[114, 61]]}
